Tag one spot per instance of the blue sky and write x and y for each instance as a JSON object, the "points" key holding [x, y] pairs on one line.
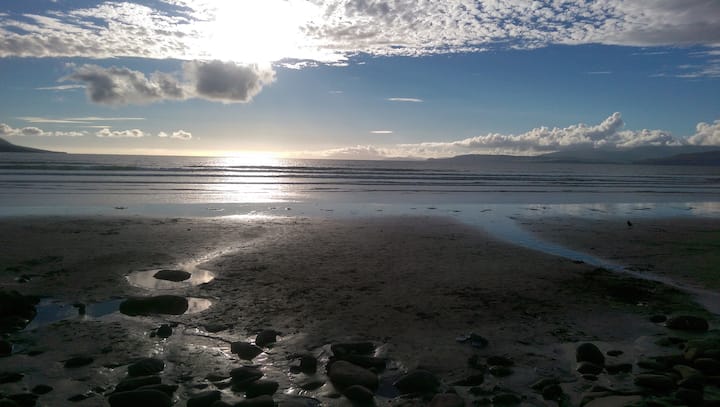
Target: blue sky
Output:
{"points": [[358, 78]]}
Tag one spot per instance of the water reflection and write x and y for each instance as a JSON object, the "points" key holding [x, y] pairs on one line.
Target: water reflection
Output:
{"points": [[147, 279]]}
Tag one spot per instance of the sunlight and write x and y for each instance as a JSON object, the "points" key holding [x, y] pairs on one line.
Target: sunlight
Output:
{"points": [[249, 159], [258, 31]]}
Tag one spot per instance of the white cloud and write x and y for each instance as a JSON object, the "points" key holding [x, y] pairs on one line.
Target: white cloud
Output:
{"points": [[225, 82], [75, 120], [6, 130], [61, 87], [408, 100], [381, 131], [706, 134], [328, 31], [180, 134], [107, 133]]}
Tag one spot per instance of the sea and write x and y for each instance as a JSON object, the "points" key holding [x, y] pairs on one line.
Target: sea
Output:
{"points": [[494, 194]]}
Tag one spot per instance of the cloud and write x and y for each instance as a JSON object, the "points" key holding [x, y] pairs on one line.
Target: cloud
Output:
{"points": [[180, 134], [608, 134], [409, 100], [329, 31], [6, 130], [75, 120], [706, 134], [225, 82], [61, 87], [381, 131], [107, 133]]}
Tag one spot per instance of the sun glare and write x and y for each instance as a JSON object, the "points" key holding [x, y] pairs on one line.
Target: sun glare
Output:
{"points": [[258, 31], [250, 158]]}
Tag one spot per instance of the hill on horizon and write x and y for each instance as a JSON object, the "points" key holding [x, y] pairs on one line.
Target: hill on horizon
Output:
{"points": [[8, 147]]}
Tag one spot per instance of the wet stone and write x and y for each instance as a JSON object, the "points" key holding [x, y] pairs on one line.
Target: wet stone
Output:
{"points": [[418, 381], [266, 337], [16, 310], [552, 392], [262, 401], [172, 275], [132, 383], [214, 328], [308, 364], [205, 399], [447, 400], [588, 352], [688, 323], [245, 350], [168, 389], [135, 398], [344, 374], [161, 304], [242, 376], [164, 331], [261, 388], [146, 367], [78, 361], [42, 389], [359, 393]]}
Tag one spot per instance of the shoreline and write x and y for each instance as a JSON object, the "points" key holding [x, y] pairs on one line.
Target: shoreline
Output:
{"points": [[411, 285]]}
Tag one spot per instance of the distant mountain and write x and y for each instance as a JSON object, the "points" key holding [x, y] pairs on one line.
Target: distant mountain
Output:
{"points": [[661, 155], [8, 147], [709, 158]]}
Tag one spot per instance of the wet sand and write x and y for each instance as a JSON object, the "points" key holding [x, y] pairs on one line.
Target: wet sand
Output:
{"points": [[410, 285]]}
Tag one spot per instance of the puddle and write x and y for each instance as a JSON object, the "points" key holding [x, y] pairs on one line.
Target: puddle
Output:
{"points": [[147, 279], [50, 311]]}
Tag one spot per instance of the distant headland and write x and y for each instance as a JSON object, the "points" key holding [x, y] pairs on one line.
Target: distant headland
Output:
{"points": [[8, 147]]}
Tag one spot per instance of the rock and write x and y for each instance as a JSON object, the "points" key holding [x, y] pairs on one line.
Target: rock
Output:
{"points": [[344, 374], [161, 304], [359, 393], [544, 382], [308, 364], [16, 310], [655, 381], [688, 323], [132, 383], [10, 377], [474, 380], [146, 367], [619, 368], [589, 368], [262, 401], [168, 389], [588, 352], [245, 350], [78, 361], [708, 366], [215, 377], [311, 384], [368, 362], [650, 364], [500, 371], [266, 337], [355, 348], [506, 399], [221, 403], [417, 381], [690, 396], [658, 319], [213, 328], [242, 376], [164, 331], [614, 401], [172, 275], [42, 389], [135, 398], [499, 361], [79, 397], [590, 377], [614, 352], [5, 348], [552, 392], [475, 340], [261, 388], [447, 400], [8, 403], [24, 399], [205, 399]]}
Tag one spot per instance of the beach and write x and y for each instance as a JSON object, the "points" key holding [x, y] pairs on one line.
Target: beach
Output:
{"points": [[421, 289]]}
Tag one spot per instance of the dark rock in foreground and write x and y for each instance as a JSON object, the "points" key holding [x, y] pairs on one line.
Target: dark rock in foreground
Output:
{"points": [[418, 381], [359, 393], [447, 400], [132, 383], [136, 398], [344, 374], [588, 352], [266, 337], [172, 275], [161, 304], [78, 361], [205, 399], [356, 348], [145, 367], [261, 388], [245, 350], [688, 323], [16, 310]]}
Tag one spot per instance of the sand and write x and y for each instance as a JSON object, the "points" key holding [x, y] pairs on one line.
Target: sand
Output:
{"points": [[411, 285]]}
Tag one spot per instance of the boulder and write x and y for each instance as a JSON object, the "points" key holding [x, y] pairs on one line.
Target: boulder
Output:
{"points": [[161, 304], [344, 374], [588, 352]]}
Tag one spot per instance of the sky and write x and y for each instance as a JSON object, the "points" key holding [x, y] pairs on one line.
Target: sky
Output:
{"points": [[358, 79]]}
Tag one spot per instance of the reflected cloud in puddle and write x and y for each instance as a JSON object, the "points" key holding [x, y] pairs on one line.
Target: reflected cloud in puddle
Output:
{"points": [[50, 311]]}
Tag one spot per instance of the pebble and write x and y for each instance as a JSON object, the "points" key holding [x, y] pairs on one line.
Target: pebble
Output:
{"points": [[144, 398], [245, 350], [417, 381], [588, 352], [359, 393], [146, 367], [345, 374], [205, 399], [447, 400], [266, 337], [688, 323]]}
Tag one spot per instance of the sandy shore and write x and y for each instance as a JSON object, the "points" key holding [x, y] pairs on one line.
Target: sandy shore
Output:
{"points": [[410, 285]]}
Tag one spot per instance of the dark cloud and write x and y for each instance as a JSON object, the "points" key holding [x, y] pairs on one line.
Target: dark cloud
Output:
{"points": [[227, 82]]}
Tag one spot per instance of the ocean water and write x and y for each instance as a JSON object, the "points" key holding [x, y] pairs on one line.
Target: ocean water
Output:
{"points": [[74, 181]]}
